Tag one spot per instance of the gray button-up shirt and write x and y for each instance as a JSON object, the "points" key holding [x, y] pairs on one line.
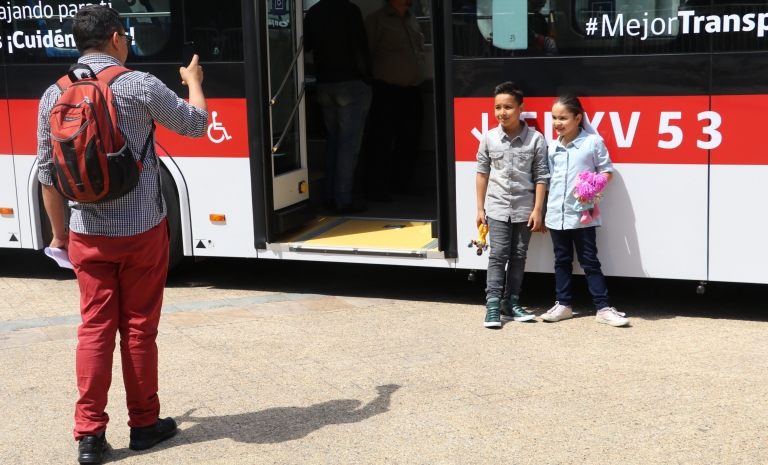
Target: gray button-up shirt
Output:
{"points": [[585, 153], [397, 47], [515, 167]]}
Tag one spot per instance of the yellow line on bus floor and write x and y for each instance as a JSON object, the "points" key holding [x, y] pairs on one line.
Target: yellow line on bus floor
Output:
{"points": [[382, 234]]}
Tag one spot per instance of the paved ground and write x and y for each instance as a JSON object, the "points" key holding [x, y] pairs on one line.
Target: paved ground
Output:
{"points": [[296, 363]]}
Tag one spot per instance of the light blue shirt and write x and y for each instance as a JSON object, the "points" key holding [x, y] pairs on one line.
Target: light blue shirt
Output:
{"points": [[585, 153]]}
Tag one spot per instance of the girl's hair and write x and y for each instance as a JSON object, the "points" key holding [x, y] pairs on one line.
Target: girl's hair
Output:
{"points": [[510, 88], [573, 105]]}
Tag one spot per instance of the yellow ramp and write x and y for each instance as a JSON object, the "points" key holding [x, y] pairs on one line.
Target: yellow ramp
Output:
{"points": [[379, 234]]}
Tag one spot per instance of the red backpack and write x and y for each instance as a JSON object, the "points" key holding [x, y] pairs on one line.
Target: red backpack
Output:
{"points": [[92, 162]]}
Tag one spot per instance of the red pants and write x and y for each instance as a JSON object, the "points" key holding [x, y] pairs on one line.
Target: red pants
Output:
{"points": [[121, 288]]}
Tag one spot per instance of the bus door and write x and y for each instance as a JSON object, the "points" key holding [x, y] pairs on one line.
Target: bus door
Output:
{"points": [[287, 147]]}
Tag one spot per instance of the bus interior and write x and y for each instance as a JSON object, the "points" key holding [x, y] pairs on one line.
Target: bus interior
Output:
{"points": [[406, 226]]}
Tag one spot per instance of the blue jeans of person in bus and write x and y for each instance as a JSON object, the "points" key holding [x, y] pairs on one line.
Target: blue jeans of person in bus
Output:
{"points": [[509, 248], [584, 240], [345, 106]]}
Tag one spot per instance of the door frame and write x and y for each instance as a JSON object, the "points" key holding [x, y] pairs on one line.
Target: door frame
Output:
{"points": [[255, 47]]}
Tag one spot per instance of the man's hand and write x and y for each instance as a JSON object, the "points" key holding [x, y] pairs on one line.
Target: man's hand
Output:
{"points": [[534, 221], [481, 218], [61, 242], [193, 74]]}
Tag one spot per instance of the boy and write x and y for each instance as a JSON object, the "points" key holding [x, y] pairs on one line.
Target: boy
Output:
{"points": [[512, 176]]}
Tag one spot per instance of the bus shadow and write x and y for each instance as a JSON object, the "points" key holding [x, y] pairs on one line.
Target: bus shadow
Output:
{"points": [[269, 426]]}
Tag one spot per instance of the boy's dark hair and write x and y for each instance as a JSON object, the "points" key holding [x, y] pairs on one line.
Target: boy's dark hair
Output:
{"points": [[93, 26], [510, 88], [573, 105]]}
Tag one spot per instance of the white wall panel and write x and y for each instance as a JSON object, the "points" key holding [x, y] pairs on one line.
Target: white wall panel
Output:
{"points": [[220, 186], [658, 232], [738, 226], [9, 224]]}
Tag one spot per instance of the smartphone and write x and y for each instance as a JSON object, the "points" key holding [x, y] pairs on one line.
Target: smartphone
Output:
{"points": [[188, 53]]}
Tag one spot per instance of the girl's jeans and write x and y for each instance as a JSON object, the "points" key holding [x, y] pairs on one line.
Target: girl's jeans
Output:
{"points": [[584, 240], [509, 245]]}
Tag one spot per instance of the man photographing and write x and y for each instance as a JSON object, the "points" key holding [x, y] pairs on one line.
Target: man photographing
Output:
{"points": [[119, 247]]}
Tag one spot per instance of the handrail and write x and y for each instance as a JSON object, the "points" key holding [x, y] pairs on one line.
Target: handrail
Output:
{"points": [[290, 69], [290, 120]]}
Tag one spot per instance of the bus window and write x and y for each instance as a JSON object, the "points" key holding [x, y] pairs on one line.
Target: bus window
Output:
{"points": [[41, 32], [500, 28], [217, 32], [613, 27]]}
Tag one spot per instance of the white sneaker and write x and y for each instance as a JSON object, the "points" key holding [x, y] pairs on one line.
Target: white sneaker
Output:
{"points": [[611, 316], [557, 313]]}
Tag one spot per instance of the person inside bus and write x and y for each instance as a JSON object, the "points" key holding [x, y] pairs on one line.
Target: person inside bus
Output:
{"points": [[334, 31], [511, 184], [119, 247], [399, 67], [575, 151]]}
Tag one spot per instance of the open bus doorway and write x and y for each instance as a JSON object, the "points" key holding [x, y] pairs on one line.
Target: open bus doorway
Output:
{"points": [[422, 207], [405, 225]]}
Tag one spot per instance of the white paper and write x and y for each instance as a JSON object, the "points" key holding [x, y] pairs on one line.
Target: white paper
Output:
{"points": [[61, 256]]}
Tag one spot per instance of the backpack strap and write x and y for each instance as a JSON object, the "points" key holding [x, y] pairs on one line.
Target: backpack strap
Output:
{"points": [[106, 75], [147, 143], [110, 73], [63, 83]]}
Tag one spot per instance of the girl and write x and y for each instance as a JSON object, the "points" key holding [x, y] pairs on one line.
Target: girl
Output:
{"points": [[574, 152]]}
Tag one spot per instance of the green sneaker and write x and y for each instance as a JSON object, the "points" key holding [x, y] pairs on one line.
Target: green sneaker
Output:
{"points": [[511, 310], [492, 315]]}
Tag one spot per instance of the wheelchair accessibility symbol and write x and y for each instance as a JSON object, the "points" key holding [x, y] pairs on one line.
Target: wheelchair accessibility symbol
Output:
{"points": [[217, 126]]}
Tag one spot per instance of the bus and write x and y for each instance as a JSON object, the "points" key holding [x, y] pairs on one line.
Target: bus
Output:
{"points": [[675, 87]]}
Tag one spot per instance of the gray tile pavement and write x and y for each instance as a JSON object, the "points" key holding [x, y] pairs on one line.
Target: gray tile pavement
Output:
{"points": [[313, 371]]}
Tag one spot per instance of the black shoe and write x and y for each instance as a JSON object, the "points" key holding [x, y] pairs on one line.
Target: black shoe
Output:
{"points": [[148, 436], [91, 447], [378, 197], [413, 191], [350, 209]]}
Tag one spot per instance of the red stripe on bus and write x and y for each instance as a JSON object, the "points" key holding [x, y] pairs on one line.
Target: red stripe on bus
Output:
{"points": [[741, 116], [651, 130], [230, 117], [5, 132]]}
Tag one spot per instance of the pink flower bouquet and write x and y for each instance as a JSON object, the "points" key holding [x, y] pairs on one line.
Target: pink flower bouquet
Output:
{"points": [[588, 193]]}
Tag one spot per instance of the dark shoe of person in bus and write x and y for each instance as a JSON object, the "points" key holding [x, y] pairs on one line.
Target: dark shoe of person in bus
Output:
{"points": [[149, 436], [90, 448], [349, 209]]}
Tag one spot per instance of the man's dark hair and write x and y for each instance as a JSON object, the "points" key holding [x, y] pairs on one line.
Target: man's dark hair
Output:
{"points": [[93, 26], [510, 88]]}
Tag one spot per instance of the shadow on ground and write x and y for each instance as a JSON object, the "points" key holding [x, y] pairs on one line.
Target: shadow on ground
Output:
{"points": [[270, 426], [644, 298]]}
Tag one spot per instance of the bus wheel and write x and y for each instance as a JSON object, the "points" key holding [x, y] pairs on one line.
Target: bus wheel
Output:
{"points": [[176, 259]]}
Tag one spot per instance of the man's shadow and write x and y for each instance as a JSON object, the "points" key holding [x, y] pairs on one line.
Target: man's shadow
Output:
{"points": [[273, 425]]}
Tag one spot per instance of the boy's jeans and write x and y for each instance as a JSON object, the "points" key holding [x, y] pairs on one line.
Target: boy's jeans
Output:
{"points": [[509, 244], [345, 106], [584, 240]]}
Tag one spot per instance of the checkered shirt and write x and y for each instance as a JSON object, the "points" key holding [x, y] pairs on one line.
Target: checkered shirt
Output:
{"points": [[141, 99]]}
